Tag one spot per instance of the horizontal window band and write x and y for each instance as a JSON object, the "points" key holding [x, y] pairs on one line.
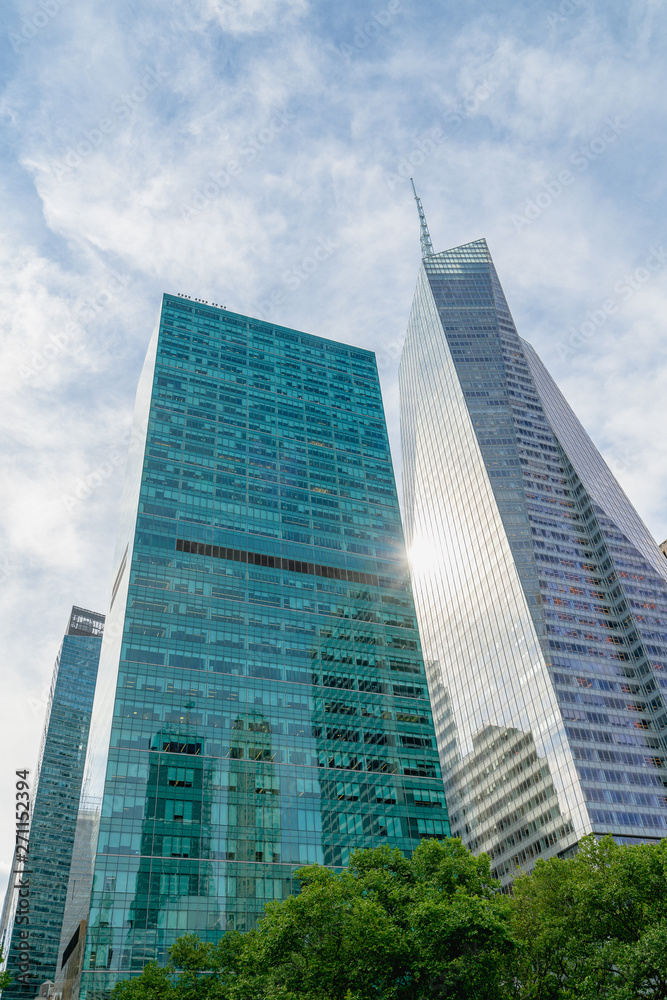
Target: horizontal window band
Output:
{"points": [[278, 562]]}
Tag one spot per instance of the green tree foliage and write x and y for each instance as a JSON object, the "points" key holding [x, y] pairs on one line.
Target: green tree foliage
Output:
{"points": [[388, 927], [591, 927], [430, 926], [5, 977], [595, 925]]}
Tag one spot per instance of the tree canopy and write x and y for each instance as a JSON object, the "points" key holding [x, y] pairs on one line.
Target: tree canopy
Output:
{"points": [[595, 925], [5, 977], [437, 925]]}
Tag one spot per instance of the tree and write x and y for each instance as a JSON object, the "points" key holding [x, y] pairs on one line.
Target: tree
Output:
{"points": [[5, 977], [595, 925], [197, 970], [434, 925]]}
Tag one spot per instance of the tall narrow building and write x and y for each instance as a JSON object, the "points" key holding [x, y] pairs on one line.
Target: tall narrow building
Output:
{"points": [[32, 941], [541, 596], [262, 701]]}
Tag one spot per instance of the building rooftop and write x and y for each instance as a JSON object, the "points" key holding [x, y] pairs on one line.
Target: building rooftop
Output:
{"points": [[83, 622]]}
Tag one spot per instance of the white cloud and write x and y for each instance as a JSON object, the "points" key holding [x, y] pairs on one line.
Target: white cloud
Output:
{"points": [[244, 17]]}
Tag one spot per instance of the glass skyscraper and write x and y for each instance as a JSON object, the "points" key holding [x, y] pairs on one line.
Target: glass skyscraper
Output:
{"points": [[262, 701], [55, 802], [541, 596]]}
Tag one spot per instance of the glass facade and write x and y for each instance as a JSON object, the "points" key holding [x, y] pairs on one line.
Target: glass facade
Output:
{"points": [[262, 701], [33, 944], [541, 596]]}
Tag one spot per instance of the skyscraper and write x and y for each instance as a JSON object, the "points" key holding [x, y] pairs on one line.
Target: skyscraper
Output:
{"points": [[56, 789], [541, 596], [262, 701]]}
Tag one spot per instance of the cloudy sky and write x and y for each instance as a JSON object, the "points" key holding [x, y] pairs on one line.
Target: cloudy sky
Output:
{"points": [[209, 146]]}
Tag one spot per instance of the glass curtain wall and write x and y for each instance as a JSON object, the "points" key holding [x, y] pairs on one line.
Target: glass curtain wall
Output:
{"points": [[541, 597], [33, 943], [263, 701]]}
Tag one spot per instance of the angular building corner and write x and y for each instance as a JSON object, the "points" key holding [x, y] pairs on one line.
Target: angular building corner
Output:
{"points": [[32, 918], [262, 699], [541, 596]]}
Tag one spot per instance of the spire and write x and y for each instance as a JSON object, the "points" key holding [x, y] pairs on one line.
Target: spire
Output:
{"points": [[424, 235]]}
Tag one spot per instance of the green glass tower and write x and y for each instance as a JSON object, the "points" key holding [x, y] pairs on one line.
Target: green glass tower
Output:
{"points": [[262, 701], [31, 941]]}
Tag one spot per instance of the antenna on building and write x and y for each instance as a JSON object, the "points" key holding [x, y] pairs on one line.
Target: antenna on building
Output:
{"points": [[424, 235]]}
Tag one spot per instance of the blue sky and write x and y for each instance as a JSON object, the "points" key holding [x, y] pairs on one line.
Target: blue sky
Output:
{"points": [[211, 146]]}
